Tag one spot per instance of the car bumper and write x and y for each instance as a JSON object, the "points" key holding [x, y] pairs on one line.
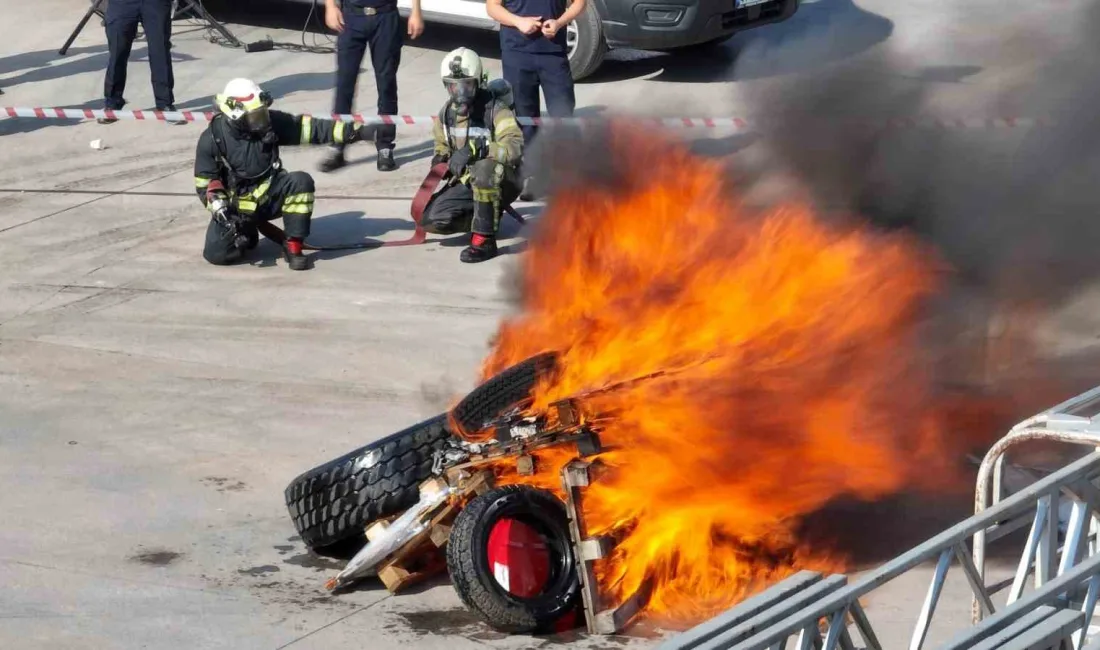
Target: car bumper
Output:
{"points": [[668, 24]]}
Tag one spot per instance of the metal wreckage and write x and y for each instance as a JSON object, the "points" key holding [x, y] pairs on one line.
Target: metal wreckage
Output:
{"points": [[426, 500]]}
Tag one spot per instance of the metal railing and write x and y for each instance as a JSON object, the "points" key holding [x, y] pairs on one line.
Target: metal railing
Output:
{"points": [[822, 621], [1070, 422]]}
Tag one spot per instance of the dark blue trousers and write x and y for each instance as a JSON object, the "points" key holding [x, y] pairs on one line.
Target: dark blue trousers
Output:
{"points": [[527, 72], [382, 34], [122, 19]]}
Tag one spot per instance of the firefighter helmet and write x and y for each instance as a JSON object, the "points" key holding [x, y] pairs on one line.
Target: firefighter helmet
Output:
{"points": [[246, 105], [462, 75]]}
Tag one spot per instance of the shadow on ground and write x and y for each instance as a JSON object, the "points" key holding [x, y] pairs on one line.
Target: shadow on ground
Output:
{"points": [[46, 65]]}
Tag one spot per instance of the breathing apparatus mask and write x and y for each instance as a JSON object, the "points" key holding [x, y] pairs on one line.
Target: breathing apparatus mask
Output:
{"points": [[256, 120], [248, 107], [462, 89]]}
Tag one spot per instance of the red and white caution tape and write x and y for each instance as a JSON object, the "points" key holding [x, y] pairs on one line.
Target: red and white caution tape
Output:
{"points": [[736, 123]]}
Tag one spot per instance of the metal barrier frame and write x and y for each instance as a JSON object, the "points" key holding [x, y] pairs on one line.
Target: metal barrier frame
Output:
{"points": [[996, 521], [1069, 422]]}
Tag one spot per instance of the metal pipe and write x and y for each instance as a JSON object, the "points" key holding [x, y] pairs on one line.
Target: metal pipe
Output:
{"points": [[1030, 549], [931, 599], [1087, 608], [1074, 534]]}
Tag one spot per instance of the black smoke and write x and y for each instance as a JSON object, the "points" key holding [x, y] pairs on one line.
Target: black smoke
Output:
{"points": [[1010, 210]]}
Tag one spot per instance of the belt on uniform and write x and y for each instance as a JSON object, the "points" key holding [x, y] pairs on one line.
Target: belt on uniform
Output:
{"points": [[369, 11]]}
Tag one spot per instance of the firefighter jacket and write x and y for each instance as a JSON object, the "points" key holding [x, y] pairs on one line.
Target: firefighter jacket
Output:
{"points": [[244, 165], [490, 130]]}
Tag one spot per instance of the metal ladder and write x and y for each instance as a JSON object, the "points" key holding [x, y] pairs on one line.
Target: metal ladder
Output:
{"points": [[822, 612]]}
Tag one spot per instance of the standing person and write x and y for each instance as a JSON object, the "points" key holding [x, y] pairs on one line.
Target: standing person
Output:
{"points": [[122, 18], [375, 24], [534, 54]]}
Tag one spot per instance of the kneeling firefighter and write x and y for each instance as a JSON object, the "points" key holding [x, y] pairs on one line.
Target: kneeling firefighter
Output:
{"points": [[239, 176], [478, 137]]}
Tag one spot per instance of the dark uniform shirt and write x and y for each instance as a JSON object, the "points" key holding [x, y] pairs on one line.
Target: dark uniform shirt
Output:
{"points": [[253, 159], [502, 140], [516, 41], [377, 4]]}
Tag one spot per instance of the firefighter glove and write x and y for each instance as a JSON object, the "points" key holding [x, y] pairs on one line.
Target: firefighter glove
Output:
{"points": [[459, 160], [219, 207]]}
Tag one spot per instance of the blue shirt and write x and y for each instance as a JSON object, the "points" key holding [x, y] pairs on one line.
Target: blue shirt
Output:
{"points": [[511, 39]]}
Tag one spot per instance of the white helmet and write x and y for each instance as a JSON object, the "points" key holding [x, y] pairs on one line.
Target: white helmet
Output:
{"points": [[462, 75], [461, 63], [245, 104]]}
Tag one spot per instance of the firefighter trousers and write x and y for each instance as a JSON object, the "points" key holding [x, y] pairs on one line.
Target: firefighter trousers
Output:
{"points": [[475, 205], [286, 195]]}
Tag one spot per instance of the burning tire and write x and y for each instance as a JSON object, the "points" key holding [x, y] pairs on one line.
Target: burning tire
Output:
{"points": [[510, 559], [501, 392], [334, 502]]}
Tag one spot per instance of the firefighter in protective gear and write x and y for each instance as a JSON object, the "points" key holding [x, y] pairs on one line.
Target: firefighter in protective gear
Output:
{"points": [[240, 179], [478, 137]]}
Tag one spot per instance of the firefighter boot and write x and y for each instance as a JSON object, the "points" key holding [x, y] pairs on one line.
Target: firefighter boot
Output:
{"points": [[333, 161], [481, 248], [386, 163], [483, 241], [294, 257]]}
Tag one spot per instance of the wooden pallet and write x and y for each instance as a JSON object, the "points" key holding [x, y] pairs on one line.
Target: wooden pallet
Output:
{"points": [[422, 557]]}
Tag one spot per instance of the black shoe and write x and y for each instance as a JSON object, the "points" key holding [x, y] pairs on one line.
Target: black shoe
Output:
{"points": [[174, 121], [297, 262], [106, 120], [473, 254], [333, 161], [447, 226], [386, 163], [528, 193]]}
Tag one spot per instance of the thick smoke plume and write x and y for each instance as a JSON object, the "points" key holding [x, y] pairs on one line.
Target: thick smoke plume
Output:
{"points": [[1012, 213], [1009, 210]]}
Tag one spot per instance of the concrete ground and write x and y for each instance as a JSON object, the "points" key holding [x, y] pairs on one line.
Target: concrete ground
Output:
{"points": [[153, 407]]}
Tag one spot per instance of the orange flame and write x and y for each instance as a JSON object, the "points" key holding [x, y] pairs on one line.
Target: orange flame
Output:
{"points": [[784, 374]]}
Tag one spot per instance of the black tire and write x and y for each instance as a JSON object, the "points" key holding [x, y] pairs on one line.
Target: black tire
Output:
{"points": [[334, 502], [468, 561], [588, 46], [501, 392]]}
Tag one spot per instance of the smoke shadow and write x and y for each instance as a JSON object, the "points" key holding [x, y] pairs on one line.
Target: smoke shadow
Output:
{"points": [[45, 70], [826, 31], [819, 35], [279, 87], [30, 61]]}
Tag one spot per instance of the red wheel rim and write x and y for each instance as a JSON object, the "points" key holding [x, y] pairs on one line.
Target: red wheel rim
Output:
{"points": [[519, 558]]}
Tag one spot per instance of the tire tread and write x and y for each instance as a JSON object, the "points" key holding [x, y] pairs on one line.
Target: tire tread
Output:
{"points": [[332, 502]]}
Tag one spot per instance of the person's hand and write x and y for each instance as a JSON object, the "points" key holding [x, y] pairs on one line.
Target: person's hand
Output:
{"points": [[334, 18], [416, 25], [459, 160], [550, 28], [528, 25]]}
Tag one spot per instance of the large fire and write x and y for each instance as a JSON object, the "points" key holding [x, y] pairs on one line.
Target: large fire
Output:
{"points": [[781, 369]]}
